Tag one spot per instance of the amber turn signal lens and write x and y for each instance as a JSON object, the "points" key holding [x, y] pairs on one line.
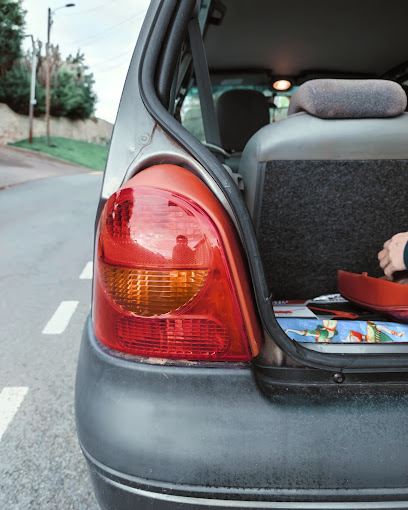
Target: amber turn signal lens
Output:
{"points": [[150, 293]]}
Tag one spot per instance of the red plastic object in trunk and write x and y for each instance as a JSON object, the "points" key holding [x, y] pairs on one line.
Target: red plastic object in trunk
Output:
{"points": [[384, 296]]}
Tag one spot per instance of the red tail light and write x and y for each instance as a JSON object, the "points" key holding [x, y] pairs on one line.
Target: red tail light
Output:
{"points": [[169, 281]]}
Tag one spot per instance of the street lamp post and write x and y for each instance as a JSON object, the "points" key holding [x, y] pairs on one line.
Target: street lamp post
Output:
{"points": [[48, 69], [32, 92]]}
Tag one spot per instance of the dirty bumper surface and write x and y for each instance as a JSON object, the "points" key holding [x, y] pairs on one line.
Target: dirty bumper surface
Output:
{"points": [[210, 433]]}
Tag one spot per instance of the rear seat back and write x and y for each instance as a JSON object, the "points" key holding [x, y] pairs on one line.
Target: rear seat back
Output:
{"points": [[240, 114], [328, 185]]}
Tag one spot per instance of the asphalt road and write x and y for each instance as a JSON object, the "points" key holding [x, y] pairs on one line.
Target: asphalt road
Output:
{"points": [[46, 232], [18, 166]]}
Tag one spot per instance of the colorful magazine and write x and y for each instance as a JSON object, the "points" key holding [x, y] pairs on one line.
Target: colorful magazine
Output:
{"points": [[334, 319]]}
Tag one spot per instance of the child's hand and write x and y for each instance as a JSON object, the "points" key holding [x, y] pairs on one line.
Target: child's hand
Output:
{"points": [[392, 256]]}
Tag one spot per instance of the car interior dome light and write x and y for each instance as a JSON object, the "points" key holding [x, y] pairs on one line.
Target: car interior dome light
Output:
{"points": [[282, 85]]}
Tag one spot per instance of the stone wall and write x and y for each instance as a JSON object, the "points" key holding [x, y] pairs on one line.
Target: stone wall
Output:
{"points": [[14, 127]]}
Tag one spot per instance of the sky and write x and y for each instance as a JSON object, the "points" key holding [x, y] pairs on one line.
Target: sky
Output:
{"points": [[104, 30]]}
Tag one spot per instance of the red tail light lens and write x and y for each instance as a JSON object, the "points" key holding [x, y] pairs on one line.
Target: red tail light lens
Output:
{"points": [[163, 284]]}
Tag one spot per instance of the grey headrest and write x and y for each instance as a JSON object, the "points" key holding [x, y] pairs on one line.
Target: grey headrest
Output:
{"points": [[349, 99], [241, 113]]}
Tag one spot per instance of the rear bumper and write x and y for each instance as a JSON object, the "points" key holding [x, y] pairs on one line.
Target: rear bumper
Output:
{"points": [[126, 494], [175, 437]]}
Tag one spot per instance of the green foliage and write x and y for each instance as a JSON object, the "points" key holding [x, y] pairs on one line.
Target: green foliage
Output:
{"points": [[15, 91], [72, 93], [73, 96], [89, 155], [11, 33], [14, 79]]}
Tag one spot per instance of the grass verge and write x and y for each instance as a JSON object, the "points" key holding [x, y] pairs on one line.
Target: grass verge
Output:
{"points": [[89, 155]]}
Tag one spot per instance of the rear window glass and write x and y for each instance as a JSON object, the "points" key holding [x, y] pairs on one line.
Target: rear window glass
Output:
{"points": [[192, 120]]}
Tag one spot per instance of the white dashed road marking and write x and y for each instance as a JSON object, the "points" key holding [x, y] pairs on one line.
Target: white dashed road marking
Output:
{"points": [[10, 401], [87, 272], [60, 320]]}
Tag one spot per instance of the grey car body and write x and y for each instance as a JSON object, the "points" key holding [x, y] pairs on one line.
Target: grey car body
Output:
{"points": [[325, 431]]}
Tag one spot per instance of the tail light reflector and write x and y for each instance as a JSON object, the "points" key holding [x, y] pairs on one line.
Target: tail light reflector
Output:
{"points": [[163, 280]]}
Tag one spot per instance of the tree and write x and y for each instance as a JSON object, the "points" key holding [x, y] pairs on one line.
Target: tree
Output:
{"points": [[15, 89], [86, 107], [11, 33], [14, 76], [72, 93]]}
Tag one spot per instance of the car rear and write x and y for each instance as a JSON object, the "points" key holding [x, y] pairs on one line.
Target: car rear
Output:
{"points": [[186, 396]]}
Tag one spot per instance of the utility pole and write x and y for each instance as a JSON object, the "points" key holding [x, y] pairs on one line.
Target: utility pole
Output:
{"points": [[32, 92], [48, 69], [48, 77]]}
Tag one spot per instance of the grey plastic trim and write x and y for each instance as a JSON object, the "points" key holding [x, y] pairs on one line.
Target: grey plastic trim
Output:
{"points": [[396, 348], [157, 152], [240, 504], [302, 136]]}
